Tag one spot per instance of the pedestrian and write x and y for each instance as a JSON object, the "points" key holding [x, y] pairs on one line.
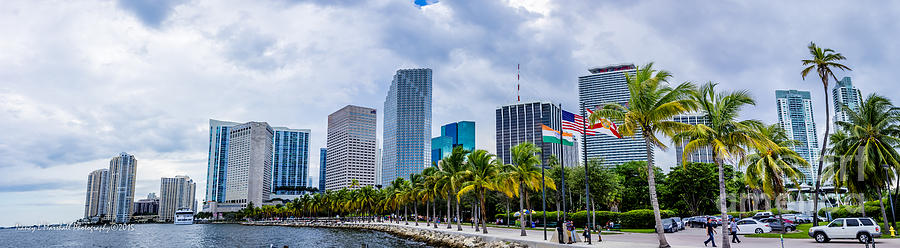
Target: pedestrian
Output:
{"points": [[559, 232], [710, 231], [587, 233], [734, 231], [571, 229]]}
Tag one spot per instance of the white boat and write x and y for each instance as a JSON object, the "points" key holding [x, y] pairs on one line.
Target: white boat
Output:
{"points": [[184, 217]]}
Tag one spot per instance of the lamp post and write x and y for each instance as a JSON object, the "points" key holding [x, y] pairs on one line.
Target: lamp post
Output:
{"points": [[890, 198]]}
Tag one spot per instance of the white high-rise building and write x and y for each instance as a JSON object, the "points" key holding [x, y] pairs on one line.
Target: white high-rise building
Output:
{"points": [[122, 170], [795, 115], [845, 94], [351, 147], [249, 166], [702, 155], [95, 201], [175, 193], [407, 125]]}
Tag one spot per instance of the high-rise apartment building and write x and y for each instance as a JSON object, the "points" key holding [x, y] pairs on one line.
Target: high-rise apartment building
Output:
{"points": [[407, 125], [175, 193], [218, 159], [795, 115], [454, 134], [122, 171], [290, 160], [845, 94], [323, 161], [95, 201], [605, 85], [702, 155], [148, 206], [351, 148], [518, 123], [249, 167]]}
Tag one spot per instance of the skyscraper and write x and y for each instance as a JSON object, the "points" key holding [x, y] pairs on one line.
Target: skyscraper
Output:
{"points": [[121, 187], [175, 193], [845, 94], [290, 160], [218, 159], [407, 125], [605, 85], [518, 123], [454, 134], [95, 201], [795, 115], [702, 155], [351, 148], [323, 161], [249, 169]]}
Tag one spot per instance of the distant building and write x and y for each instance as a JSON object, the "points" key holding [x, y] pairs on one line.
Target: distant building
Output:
{"points": [[702, 155], [249, 171], [351, 147], [795, 115], [323, 161], [175, 193], [845, 94], [454, 134], [149, 206], [122, 171], [96, 201], [152, 195], [407, 125], [518, 123], [606, 84], [218, 159], [291, 160]]}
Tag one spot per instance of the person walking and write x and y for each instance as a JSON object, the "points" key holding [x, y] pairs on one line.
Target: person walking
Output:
{"points": [[734, 231], [710, 231], [571, 229]]}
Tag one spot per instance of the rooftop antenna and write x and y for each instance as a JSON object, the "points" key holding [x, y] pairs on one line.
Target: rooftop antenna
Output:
{"points": [[518, 86]]}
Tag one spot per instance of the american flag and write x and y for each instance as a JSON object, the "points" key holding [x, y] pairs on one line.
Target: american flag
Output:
{"points": [[575, 123]]}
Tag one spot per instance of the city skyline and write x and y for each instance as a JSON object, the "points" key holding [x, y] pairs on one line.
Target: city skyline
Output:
{"points": [[146, 79]]}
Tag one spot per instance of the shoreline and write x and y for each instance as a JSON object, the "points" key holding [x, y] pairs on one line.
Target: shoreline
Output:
{"points": [[431, 237]]}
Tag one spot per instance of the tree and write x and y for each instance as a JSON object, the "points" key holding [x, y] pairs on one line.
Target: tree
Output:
{"points": [[823, 61], [650, 108], [525, 174], [482, 173], [773, 163], [450, 181], [724, 134], [689, 189]]}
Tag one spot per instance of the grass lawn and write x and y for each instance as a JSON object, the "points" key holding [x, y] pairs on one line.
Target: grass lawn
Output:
{"points": [[801, 233]]}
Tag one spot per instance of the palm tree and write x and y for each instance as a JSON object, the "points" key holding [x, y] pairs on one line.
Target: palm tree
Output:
{"points": [[651, 106], [482, 173], [416, 189], [871, 135], [429, 194], [726, 136], [526, 175], [451, 179], [823, 61], [774, 163]]}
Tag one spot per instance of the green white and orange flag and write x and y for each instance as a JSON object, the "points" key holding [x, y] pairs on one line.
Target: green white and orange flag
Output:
{"points": [[552, 136]]}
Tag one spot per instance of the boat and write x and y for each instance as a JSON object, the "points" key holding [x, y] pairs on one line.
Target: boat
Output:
{"points": [[184, 216]]}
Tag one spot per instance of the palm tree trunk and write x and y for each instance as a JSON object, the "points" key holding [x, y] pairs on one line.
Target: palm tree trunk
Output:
{"points": [[651, 181], [521, 205], [458, 217], [416, 212], [427, 216], [483, 213], [507, 212], [434, 212], [449, 218], [405, 214], [722, 200], [528, 204], [883, 212], [475, 216], [822, 151], [862, 204]]}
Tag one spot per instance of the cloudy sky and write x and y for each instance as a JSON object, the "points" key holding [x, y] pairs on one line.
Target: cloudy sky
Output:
{"points": [[81, 81]]}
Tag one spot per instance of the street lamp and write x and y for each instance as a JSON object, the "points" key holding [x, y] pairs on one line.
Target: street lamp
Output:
{"points": [[890, 198]]}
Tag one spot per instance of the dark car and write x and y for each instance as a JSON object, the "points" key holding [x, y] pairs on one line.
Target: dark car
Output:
{"points": [[669, 225], [779, 225], [697, 221]]}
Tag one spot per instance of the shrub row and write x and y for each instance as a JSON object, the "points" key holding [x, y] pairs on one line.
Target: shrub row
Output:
{"points": [[641, 218]]}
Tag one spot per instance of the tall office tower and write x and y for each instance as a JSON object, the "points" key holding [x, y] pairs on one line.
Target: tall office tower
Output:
{"points": [[522, 122], [323, 161], [218, 159], [175, 193], [378, 160], [702, 155], [407, 125], [122, 170], [845, 94], [351, 148], [795, 115], [452, 135], [605, 85], [291, 160], [95, 201], [249, 169]]}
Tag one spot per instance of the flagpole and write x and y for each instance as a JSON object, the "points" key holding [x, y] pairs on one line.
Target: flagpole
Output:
{"points": [[562, 166], [543, 202], [587, 188]]}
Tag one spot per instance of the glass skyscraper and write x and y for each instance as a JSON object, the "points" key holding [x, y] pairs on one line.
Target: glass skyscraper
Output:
{"points": [[323, 152], [605, 85], [407, 125], [454, 134], [702, 155], [845, 94], [290, 160], [795, 115], [121, 187], [522, 122], [218, 159]]}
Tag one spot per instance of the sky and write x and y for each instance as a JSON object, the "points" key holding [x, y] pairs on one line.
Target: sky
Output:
{"points": [[81, 81]]}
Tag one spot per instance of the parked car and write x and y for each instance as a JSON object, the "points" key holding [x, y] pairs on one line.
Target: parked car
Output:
{"points": [[862, 229], [762, 215], [752, 226], [777, 226], [698, 221], [669, 225], [805, 218], [794, 218], [679, 222]]}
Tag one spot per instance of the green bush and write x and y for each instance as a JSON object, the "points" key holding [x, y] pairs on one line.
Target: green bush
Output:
{"points": [[642, 218], [873, 212]]}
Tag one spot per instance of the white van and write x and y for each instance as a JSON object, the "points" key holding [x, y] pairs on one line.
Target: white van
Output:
{"points": [[862, 229]]}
